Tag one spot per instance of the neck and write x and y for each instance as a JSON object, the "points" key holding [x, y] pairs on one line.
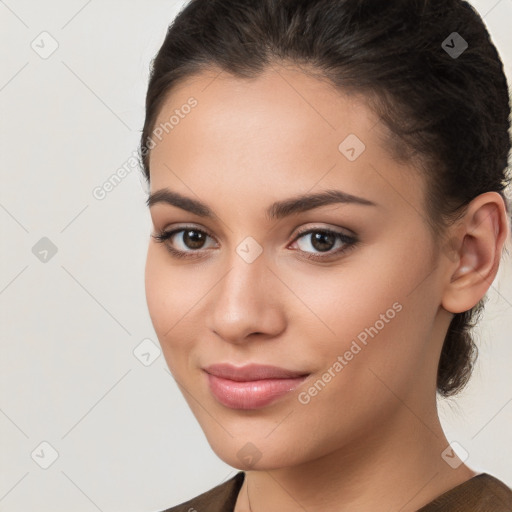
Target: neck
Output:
{"points": [[399, 467]]}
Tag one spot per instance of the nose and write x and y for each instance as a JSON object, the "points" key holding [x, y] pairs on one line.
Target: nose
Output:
{"points": [[247, 301]]}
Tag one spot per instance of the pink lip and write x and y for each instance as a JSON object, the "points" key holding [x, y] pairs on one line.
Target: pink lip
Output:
{"points": [[252, 386]]}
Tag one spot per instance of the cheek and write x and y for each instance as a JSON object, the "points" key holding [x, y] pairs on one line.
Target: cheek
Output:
{"points": [[156, 284], [368, 311], [170, 295], [340, 303]]}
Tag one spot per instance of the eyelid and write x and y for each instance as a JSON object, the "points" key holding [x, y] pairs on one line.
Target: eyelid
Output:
{"points": [[351, 240], [348, 242], [176, 229], [166, 234], [298, 234], [338, 230]]}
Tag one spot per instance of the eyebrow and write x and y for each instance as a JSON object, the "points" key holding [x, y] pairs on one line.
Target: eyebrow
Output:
{"points": [[275, 211]]}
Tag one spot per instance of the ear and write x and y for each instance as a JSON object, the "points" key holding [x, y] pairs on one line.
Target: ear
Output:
{"points": [[476, 252]]}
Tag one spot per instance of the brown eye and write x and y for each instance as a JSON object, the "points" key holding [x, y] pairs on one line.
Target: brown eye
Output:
{"points": [[186, 242], [193, 238], [315, 241], [322, 241]]}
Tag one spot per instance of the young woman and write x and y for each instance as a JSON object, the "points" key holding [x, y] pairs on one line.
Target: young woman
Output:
{"points": [[327, 194]]}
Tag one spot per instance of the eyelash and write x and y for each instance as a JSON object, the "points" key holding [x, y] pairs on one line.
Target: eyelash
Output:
{"points": [[348, 241]]}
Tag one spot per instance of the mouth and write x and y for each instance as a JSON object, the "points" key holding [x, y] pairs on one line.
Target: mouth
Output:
{"points": [[251, 386]]}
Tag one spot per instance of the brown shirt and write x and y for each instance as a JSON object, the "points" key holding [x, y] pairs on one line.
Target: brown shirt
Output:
{"points": [[482, 493]]}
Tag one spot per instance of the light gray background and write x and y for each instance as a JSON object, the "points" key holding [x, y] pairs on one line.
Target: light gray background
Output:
{"points": [[124, 435]]}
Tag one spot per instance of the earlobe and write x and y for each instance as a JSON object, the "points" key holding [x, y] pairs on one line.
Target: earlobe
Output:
{"points": [[485, 229]]}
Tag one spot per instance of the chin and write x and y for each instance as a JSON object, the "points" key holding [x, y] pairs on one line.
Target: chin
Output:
{"points": [[248, 455]]}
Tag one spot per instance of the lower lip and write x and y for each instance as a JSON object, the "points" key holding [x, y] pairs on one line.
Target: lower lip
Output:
{"points": [[251, 394]]}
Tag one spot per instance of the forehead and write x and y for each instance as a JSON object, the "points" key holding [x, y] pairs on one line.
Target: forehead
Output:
{"points": [[279, 97], [282, 128]]}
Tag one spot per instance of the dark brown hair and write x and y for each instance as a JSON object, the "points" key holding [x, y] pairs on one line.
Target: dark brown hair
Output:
{"points": [[447, 112]]}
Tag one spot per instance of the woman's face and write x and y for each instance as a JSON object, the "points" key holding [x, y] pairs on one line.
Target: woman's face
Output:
{"points": [[362, 320]]}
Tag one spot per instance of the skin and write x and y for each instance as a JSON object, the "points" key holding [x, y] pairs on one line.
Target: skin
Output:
{"points": [[371, 438]]}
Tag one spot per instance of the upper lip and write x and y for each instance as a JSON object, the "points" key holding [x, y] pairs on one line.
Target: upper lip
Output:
{"points": [[251, 372]]}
